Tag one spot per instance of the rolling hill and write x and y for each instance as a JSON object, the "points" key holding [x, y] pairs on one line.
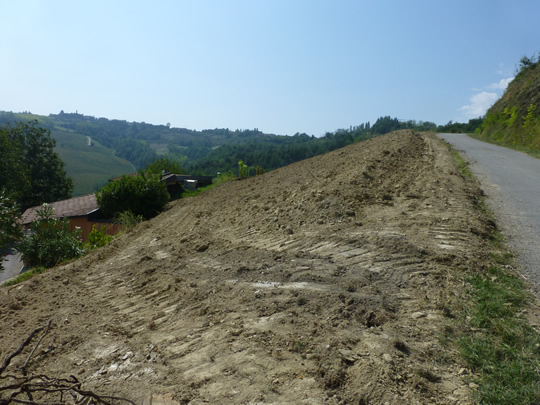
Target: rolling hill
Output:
{"points": [[88, 163], [206, 152]]}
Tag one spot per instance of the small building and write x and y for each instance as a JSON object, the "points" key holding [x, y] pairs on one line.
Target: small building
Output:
{"points": [[188, 182], [82, 212]]}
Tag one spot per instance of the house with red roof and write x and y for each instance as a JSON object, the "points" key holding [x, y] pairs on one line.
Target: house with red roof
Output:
{"points": [[82, 212]]}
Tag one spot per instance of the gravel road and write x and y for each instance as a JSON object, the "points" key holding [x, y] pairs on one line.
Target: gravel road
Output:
{"points": [[511, 180]]}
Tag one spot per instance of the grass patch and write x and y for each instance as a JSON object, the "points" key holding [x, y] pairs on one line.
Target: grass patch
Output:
{"points": [[493, 336], [462, 165], [501, 345], [25, 276]]}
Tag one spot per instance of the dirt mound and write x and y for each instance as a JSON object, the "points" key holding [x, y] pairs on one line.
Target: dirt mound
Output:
{"points": [[323, 282]]}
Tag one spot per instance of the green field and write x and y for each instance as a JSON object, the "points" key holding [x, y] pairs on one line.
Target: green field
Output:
{"points": [[90, 167]]}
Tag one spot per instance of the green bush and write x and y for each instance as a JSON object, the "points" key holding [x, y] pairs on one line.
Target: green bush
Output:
{"points": [[50, 241], [98, 238], [127, 219], [143, 194]]}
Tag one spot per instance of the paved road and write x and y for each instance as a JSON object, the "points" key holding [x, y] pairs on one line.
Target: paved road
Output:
{"points": [[12, 264], [511, 180]]}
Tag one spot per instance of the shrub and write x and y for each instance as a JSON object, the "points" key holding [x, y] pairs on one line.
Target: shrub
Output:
{"points": [[50, 241], [143, 194], [98, 238], [127, 219]]}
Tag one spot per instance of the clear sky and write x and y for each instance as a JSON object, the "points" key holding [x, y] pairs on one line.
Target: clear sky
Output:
{"points": [[282, 66]]}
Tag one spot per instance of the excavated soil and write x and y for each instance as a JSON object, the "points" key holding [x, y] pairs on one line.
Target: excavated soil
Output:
{"points": [[329, 281]]}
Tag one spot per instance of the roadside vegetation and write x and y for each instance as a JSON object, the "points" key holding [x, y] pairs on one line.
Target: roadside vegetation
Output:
{"points": [[492, 334], [27, 275], [514, 120], [508, 144]]}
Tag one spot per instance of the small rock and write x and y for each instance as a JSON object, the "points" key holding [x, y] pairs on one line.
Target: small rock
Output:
{"points": [[388, 358], [347, 354], [202, 247], [418, 315], [127, 355]]}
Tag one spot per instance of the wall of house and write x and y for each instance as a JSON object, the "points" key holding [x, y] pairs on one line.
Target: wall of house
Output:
{"points": [[86, 226]]}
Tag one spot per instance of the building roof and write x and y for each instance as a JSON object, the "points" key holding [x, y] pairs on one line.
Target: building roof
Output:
{"points": [[73, 207]]}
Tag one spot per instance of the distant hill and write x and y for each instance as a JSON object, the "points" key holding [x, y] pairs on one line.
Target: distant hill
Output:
{"points": [[514, 120], [88, 163], [119, 147]]}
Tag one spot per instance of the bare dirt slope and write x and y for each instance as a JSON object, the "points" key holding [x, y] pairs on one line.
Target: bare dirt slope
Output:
{"points": [[327, 281]]}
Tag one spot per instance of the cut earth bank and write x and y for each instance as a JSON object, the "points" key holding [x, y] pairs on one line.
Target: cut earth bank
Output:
{"points": [[333, 280]]}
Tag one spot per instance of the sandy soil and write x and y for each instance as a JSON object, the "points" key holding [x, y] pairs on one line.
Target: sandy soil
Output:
{"points": [[329, 281]]}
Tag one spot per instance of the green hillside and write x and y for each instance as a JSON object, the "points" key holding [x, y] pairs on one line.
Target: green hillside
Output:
{"points": [[90, 166], [119, 147], [514, 120]]}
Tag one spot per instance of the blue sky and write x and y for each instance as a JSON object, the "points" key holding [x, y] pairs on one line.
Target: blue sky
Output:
{"points": [[282, 66]]}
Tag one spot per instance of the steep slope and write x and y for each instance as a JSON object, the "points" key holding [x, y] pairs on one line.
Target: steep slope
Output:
{"points": [[514, 119], [327, 281]]}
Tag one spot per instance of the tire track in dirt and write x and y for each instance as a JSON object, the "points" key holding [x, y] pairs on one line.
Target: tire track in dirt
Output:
{"points": [[323, 282]]}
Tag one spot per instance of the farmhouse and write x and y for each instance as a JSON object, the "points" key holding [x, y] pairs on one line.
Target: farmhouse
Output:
{"points": [[82, 212]]}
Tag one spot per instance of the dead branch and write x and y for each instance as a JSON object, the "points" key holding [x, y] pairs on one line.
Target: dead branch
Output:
{"points": [[20, 349], [22, 389], [35, 347]]}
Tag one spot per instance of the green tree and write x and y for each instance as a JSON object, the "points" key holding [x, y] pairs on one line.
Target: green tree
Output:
{"points": [[243, 170], [98, 237], [10, 230], [50, 241], [30, 170], [164, 163], [143, 194]]}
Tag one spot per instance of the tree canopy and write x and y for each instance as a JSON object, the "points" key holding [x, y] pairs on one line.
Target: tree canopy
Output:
{"points": [[143, 194], [164, 163], [30, 169]]}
